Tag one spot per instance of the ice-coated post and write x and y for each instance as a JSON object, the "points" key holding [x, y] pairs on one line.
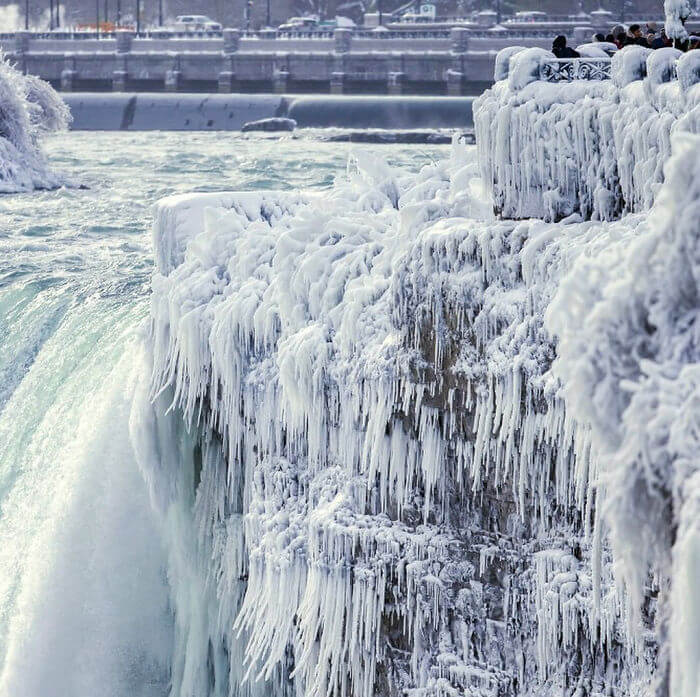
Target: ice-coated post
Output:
{"points": [[232, 38], [22, 42], [460, 39], [343, 40]]}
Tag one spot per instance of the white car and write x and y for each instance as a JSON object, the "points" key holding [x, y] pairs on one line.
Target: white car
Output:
{"points": [[299, 24], [195, 23]]}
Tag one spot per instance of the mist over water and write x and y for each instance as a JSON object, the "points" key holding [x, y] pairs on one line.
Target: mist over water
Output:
{"points": [[83, 595]]}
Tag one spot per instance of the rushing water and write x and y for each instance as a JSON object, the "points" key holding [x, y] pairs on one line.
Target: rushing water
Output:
{"points": [[83, 599]]}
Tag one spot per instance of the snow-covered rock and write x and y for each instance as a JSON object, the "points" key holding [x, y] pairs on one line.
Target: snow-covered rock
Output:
{"points": [[29, 108]]}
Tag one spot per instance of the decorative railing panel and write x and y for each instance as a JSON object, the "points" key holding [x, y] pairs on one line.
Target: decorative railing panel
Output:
{"points": [[570, 69]]}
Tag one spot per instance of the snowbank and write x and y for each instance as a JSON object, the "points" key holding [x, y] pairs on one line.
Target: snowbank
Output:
{"points": [[29, 108], [592, 147]]}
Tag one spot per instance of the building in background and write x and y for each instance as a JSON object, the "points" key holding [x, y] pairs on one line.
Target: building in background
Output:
{"points": [[232, 13]]}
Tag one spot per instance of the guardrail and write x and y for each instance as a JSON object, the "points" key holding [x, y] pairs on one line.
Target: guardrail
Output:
{"points": [[570, 69]]}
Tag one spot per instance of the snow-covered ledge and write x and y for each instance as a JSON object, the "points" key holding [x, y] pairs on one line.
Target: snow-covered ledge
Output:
{"points": [[555, 141]]}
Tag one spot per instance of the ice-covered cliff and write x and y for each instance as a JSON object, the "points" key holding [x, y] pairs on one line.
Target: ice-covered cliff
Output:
{"points": [[29, 108], [399, 446]]}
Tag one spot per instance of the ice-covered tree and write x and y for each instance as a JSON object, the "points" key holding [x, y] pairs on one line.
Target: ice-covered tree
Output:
{"points": [[677, 11]]}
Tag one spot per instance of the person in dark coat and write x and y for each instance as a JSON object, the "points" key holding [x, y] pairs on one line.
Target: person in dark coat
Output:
{"points": [[636, 36], [619, 35], [660, 41], [561, 50]]}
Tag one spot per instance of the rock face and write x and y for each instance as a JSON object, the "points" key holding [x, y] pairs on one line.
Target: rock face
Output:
{"points": [[402, 447]]}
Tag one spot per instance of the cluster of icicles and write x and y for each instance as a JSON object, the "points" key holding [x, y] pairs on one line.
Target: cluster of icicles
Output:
{"points": [[595, 148], [382, 427], [29, 108]]}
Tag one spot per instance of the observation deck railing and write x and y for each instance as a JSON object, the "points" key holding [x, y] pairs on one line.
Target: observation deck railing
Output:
{"points": [[570, 69]]}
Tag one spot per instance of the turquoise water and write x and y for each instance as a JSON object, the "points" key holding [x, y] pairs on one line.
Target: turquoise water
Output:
{"points": [[83, 600]]}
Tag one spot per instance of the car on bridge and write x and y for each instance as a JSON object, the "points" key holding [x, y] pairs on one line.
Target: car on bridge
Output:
{"points": [[299, 24], [192, 23]]}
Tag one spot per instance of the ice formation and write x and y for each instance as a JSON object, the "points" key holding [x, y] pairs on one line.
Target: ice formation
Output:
{"points": [[592, 147], [398, 444], [29, 108], [676, 12]]}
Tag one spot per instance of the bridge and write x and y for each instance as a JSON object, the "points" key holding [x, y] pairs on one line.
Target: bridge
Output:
{"points": [[443, 60]]}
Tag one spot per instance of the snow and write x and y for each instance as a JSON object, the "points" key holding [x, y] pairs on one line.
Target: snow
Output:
{"points": [[598, 49], [397, 443], [30, 108]]}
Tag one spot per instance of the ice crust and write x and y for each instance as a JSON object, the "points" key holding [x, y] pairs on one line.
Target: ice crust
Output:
{"points": [[399, 444], [591, 147], [29, 108]]}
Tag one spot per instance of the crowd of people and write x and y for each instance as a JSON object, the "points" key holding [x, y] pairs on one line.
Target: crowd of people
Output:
{"points": [[649, 36]]}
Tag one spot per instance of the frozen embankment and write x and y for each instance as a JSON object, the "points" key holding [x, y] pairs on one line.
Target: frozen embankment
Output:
{"points": [[29, 108], [398, 444]]}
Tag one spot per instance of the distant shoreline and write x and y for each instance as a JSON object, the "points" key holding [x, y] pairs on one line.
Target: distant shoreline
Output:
{"points": [[229, 112]]}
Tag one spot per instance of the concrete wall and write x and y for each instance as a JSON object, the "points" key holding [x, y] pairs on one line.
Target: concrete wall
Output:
{"points": [[218, 112]]}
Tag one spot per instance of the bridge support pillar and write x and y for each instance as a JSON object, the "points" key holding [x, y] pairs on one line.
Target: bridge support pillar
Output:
{"points": [[455, 82], [338, 83], [396, 76], [460, 39], [343, 40], [173, 76], [172, 80], [455, 75], [124, 39], [22, 42], [69, 73], [119, 75], [395, 83], [227, 81], [338, 74], [280, 81], [232, 39], [227, 76]]}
